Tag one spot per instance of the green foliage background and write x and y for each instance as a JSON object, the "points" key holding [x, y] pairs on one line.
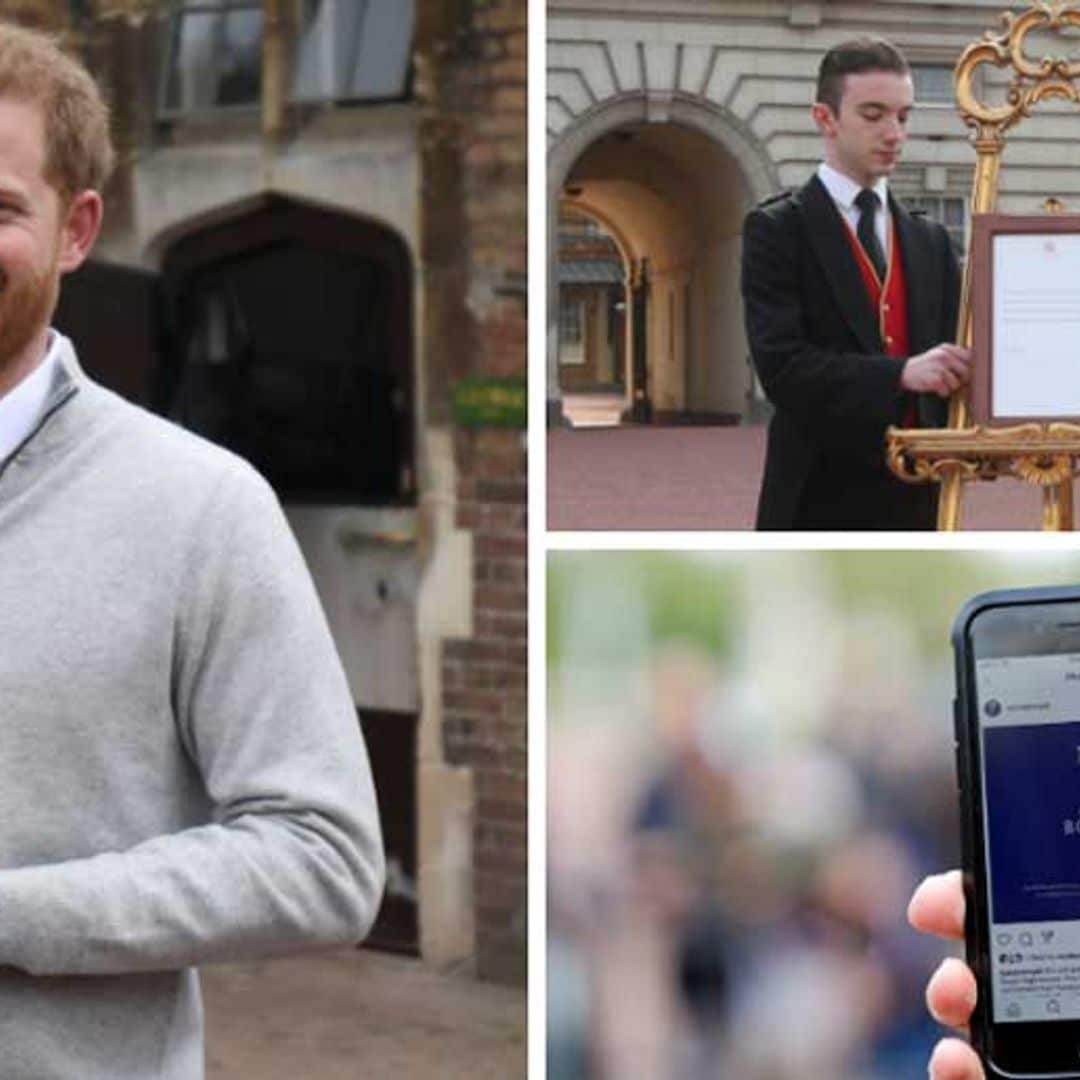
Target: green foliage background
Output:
{"points": [[705, 598]]}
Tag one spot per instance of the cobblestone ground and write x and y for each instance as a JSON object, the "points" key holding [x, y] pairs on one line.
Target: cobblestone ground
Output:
{"points": [[359, 1015], [703, 478]]}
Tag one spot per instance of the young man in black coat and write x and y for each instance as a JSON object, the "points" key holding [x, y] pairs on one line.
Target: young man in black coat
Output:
{"points": [[851, 303]]}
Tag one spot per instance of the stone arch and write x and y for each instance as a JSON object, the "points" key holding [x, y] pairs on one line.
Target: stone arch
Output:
{"points": [[622, 242], [249, 250], [681, 300], [188, 221], [712, 120]]}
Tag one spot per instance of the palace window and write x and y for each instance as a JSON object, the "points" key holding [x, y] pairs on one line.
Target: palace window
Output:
{"points": [[933, 84], [345, 50], [214, 57], [571, 322], [571, 331], [353, 50]]}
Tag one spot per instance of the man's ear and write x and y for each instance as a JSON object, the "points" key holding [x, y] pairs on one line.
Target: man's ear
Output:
{"points": [[824, 118], [80, 230]]}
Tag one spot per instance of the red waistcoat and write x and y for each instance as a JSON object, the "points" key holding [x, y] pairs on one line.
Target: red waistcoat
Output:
{"points": [[889, 302]]}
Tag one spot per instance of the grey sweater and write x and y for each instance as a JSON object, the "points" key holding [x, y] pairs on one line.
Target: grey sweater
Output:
{"points": [[182, 778]]}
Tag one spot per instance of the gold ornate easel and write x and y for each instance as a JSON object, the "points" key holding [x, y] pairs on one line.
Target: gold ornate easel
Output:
{"points": [[1044, 454]]}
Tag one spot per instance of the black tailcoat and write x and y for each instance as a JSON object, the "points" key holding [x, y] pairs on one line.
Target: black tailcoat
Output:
{"points": [[816, 344]]}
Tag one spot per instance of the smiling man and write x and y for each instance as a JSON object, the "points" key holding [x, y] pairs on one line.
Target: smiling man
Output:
{"points": [[182, 778], [850, 304]]}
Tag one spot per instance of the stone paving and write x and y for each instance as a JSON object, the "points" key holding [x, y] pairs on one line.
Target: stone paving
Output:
{"points": [[676, 478], [359, 1015]]}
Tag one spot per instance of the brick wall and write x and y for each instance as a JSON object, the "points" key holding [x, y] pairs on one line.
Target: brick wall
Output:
{"points": [[472, 84], [484, 696]]}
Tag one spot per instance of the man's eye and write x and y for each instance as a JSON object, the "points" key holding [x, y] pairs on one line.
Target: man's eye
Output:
{"points": [[871, 114]]}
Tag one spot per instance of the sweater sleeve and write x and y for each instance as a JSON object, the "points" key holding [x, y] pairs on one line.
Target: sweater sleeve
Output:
{"points": [[292, 857]]}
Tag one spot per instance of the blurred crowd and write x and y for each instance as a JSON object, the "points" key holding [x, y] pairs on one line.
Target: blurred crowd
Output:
{"points": [[728, 907]]}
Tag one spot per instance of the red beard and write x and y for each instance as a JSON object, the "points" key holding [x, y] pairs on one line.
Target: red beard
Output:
{"points": [[26, 306]]}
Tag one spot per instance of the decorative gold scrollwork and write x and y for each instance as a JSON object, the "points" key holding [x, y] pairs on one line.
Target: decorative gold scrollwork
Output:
{"points": [[1045, 455], [1033, 80], [1041, 454], [912, 468], [926, 471], [1044, 471]]}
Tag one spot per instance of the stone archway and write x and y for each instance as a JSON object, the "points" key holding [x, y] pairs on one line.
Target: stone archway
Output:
{"points": [[674, 176], [306, 374]]}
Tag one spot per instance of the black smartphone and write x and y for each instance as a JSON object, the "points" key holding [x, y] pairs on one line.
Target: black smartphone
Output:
{"points": [[1018, 764]]}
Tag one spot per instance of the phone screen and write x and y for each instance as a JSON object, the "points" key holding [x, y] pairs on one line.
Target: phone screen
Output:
{"points": [[1029, 732]]}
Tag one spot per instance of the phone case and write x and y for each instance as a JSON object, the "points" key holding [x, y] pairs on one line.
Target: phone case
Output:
{"points": [[969, 784]]}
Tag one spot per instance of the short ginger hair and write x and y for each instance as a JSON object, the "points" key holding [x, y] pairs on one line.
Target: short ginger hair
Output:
{"points": [[35, 70]]}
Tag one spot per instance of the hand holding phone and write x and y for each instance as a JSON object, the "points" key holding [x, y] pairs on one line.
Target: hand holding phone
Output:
{"points": [[1018, 767], [937, 907]]}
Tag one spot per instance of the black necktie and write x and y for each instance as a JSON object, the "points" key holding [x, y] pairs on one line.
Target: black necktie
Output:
{"points": [[867, 202]]}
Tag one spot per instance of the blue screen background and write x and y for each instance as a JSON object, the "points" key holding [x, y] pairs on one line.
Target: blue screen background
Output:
{"points": [[1032, 778]]}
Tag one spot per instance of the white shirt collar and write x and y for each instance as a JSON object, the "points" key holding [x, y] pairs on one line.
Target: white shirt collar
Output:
{"points": [[21, 406], [844, 190]]}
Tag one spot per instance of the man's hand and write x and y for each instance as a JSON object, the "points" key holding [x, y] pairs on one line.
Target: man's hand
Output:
{"points": [[940, 370], [938, 908]]}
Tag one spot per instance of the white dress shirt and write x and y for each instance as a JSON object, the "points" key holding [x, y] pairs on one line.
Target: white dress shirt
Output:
{"points": [[844, 191], [22, 405]]}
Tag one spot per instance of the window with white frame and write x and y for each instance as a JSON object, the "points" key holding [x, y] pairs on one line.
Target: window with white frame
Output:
{"points": [[571, 330], [933, 84]]}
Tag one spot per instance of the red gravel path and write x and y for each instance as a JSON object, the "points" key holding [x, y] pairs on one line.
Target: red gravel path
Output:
{"points": [[675, 478]]}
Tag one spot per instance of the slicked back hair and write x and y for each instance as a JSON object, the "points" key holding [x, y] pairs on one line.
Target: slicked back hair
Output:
{"points": [[853, 58]]}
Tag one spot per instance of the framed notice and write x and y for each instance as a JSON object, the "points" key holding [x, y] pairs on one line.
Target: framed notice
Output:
{"points": [[1026, 311]]}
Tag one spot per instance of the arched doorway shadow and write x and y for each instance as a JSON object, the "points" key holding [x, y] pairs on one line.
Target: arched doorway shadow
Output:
{"points": [[283, 331], [290, 330], [676, 183]]}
